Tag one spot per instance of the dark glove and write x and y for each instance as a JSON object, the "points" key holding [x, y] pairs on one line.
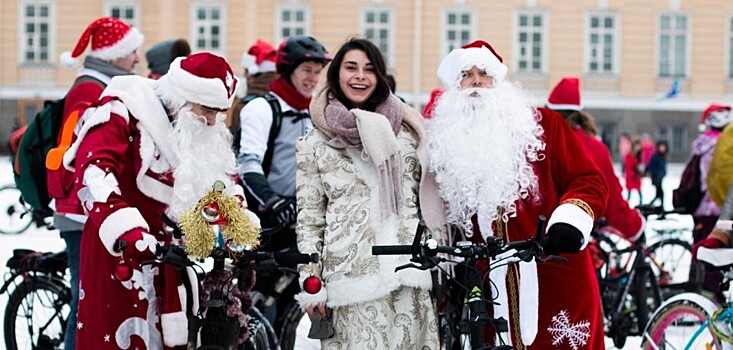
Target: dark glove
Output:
{"points": [[283, 209], [138, 245], [562, 238], [710, 242]]}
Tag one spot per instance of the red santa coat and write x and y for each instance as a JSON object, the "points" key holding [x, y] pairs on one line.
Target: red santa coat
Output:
{"points": [[123, 143], [618, 213], [632, 174], [569, 306]]}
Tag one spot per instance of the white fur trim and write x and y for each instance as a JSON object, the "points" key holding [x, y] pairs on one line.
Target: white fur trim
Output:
{"points": [[67, 61], [566, 107], [307, 299], [193, 280], [529, 303], [267, 66], [249, 63], [117, 224], [209, 92], [94, 74], [100, 116], [573, 215], [459, 60], [132, 40], [642, 228], [175, 328]]}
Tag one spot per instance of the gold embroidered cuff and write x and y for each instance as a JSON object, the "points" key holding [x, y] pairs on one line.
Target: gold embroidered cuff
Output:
{"points": [[582, 205]]}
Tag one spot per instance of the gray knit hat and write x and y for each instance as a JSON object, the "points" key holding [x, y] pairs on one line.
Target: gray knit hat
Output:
{"points": [[159, 57]]}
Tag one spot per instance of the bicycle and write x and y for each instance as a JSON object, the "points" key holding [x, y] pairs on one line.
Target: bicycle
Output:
{"points": [[38, 304], [218, 325], [15, 216], [469, 329], [692, 321]]}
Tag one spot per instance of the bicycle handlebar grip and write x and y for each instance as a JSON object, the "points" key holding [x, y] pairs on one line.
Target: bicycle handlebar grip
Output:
{"points": [[391, 250], [294, 258]]}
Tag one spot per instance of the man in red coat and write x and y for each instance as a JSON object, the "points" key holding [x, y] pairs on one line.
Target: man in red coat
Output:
{"points": [[126, 158], [113, 46], [500, 164], [565, 99]]}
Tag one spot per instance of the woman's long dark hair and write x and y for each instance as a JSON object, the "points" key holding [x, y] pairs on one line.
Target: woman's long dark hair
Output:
{"points": [[381, 91]]}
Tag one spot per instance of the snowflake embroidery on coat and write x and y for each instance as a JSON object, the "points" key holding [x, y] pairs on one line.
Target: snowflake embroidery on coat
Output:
{"points": [[577, 334]]}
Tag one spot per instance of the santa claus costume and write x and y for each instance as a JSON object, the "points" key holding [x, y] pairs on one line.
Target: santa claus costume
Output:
{"points": [[125, 159], [500, 164], [565, 99]]}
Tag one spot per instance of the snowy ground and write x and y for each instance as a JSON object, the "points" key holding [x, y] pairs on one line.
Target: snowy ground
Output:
{"points": [[44, 240]]}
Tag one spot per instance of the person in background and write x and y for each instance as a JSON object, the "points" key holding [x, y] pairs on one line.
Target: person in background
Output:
{"points": [[161, 55], [714, 118], [113, 52], [647, 148], [393, 85], [268, 173], [624, 147], [565, 100], [258, 63], [151, 147], [657, 170], [363, 181], [633, 170], [500, 164]]}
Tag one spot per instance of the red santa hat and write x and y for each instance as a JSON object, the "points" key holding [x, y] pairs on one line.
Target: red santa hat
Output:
{"points": [[478, 53], [260, 58], [427, 112], [716, 116], [203, 78], [111, 38], [565, 95]]}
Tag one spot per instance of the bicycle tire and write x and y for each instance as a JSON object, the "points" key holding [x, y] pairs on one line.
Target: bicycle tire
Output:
{"points": [[14, 218], [683, 313], [289, 331], [647, 297], [672, 262], [49, 297], [261, 334]]}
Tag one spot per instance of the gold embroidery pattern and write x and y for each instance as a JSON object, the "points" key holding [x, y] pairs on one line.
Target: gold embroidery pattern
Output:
{"points": [[582, 204]]}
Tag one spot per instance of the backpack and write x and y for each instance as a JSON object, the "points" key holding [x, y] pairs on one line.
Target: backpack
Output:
{"points": [[33, 143], [277, 121], [689, 193]]}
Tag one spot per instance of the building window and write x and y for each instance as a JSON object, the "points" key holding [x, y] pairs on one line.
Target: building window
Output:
{"points": [[531, 41], [209, 28], [676, 137], [36, 21], [673, 30], [460, 28], [601, 45], [292, 20], [127, 11], [377, 24]]}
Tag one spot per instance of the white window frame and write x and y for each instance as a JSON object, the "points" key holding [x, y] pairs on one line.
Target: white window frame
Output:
{"points": [[543, 30], [376, 26], [601, 31], [123, 5], [472, 27], [207, 24], [673, 32], [292, 24], [23, 36]]}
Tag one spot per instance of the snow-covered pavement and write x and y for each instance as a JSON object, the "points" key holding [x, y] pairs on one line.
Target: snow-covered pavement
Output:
{"points": [[44, 240]]}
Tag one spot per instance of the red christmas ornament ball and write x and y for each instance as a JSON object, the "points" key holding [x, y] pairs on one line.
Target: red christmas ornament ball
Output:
{"points": [[123, 272], [312, 285]]}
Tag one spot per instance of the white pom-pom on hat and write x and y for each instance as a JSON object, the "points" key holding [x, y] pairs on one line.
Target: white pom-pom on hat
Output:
{"points": [[66, 59]]}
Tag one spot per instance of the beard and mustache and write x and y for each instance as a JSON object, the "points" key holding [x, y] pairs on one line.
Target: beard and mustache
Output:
{"points": [[205, 155], [482, 143]]}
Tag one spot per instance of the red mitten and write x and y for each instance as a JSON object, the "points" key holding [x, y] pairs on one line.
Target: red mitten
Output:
{"points": [[139, 245], [710, 242]]}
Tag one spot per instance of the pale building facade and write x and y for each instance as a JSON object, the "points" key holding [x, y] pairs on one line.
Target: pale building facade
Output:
{"points": [[627, 53]]}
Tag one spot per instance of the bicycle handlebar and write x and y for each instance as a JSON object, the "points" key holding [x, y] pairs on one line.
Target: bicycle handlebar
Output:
{"points": [[647, 210]]}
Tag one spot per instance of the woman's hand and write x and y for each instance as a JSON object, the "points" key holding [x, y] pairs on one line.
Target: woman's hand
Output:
{"points": [[320, 307]]}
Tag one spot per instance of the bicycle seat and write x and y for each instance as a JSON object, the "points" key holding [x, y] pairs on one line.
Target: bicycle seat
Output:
{"points": [[717, 257]]}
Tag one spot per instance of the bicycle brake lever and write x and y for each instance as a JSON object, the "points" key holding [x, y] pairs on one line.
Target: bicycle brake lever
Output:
{"points": [[414, 266]]}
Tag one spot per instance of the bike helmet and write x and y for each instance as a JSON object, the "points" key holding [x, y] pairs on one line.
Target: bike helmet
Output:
{"points": [[296, 50]]}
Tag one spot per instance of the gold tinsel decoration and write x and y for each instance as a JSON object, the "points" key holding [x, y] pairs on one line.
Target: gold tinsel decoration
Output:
{"points": [[199, 235]]}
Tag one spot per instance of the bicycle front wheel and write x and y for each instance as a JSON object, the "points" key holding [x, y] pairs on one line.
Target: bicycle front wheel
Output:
{"points": [[261, 334], [671, 261], [681, 323], [295, 328], [14, 218], [35, 316]]}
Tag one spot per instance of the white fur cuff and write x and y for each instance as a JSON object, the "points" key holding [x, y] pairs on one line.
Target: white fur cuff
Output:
{"points": [[573, 215], [175, 328], [306, 299], [118, 223]]}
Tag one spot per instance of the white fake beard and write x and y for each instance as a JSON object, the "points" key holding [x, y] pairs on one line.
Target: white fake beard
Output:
{"points": [[205, 154], [481, 149]]}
